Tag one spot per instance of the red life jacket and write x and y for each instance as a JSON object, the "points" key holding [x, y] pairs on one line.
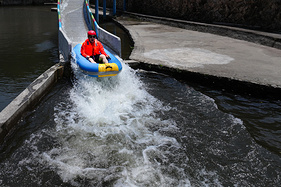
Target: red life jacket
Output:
{"points": [[92, 49]]}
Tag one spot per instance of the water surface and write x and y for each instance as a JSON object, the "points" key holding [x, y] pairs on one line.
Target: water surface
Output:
{"points": [[28, 47], [137, 129]]}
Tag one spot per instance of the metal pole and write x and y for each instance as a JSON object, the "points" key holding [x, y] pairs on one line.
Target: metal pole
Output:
{"points": [[104, 9], [97, 11], [124, 5], [114, 7]]}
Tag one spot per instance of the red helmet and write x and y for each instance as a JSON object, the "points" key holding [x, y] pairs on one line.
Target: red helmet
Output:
{"points": [[91, 33]]}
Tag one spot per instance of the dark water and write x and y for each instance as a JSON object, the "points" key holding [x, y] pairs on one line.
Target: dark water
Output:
{"points": [[156, 132], [126, 43], [144, 129], [261, 116], [28, 47]]}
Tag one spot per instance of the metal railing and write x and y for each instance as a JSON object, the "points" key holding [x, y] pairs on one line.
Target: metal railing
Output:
{"points": [[110, 40]]}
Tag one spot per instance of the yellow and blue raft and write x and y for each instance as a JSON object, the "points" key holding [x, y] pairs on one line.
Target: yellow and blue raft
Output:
{"points": [[113, 67]]}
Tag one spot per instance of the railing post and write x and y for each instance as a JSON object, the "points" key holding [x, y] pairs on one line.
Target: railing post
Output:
{"points": [[124, 5], [114, 7], [104, 9], [97, 11]]}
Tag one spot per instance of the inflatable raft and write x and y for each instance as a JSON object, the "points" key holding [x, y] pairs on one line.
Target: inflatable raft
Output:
{"points": [[113, 67]]}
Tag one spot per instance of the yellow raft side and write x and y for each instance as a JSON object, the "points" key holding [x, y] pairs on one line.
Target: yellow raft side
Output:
{"points": [[111, 67]]}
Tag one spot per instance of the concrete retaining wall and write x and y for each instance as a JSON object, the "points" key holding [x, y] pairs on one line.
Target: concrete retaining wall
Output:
{"points": [[64, 46], [256, 14], [10, 115], [263, 38]]}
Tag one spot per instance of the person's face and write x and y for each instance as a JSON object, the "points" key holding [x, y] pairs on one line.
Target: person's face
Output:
{"points": [[91, 38]]}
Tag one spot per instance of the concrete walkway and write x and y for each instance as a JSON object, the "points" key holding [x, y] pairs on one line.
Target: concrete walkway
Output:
{"points": [[203, 53]]}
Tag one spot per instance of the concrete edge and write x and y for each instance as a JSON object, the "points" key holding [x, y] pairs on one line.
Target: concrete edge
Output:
{"points": [[65, 46], [259, 37], [27, 99], [112, 41], [214, 82], [211, 81]]}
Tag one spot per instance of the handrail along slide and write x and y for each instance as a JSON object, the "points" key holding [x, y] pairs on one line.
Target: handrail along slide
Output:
{"points": [[110, 40]]}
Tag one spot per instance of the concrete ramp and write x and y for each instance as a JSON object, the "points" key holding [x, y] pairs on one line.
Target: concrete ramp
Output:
{"points": [[73, 23]]}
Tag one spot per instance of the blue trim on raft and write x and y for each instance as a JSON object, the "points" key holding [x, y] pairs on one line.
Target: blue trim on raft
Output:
{"points": [[93, 69]]}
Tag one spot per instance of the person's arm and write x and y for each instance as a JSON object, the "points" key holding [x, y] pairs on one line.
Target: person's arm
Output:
{"points": [[102, 50]]}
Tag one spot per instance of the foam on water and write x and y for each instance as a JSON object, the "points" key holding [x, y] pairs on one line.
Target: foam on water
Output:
{"points": [[131, 130], [106, 136]]}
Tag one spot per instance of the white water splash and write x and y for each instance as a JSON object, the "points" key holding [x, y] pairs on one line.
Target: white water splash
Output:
{"points": [[106, 137]]}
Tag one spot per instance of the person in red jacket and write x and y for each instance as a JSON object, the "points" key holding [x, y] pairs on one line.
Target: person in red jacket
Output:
{"points": [[93, 50]]}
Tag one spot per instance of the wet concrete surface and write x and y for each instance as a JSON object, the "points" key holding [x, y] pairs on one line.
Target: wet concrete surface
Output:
{"points": [[204, 53]]}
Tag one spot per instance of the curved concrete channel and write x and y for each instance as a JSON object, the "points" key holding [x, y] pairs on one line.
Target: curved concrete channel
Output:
{"points": [[245, 61], [257, 74]]}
